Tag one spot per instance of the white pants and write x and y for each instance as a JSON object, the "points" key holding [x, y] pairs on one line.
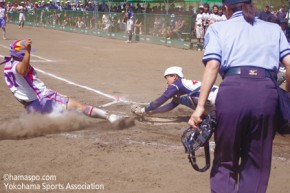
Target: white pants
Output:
{"points": [[199, 32], [21, 17]]}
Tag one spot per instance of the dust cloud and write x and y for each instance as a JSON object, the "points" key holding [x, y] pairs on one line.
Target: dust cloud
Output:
{"points": [[34, 125]]}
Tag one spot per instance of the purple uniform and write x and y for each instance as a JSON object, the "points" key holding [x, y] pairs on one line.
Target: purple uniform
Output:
{"points": [[247, 101], [2, 17], [182, 91]]}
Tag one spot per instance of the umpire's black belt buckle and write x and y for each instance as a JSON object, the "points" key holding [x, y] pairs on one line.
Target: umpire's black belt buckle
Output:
{"points": [[251, 72]]}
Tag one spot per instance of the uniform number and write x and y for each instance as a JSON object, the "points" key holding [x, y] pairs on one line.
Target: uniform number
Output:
{"points": [[11, 80]]}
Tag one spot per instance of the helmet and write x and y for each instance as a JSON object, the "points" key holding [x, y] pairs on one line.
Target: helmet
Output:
{"points": [[17, 49], [174, 70]]}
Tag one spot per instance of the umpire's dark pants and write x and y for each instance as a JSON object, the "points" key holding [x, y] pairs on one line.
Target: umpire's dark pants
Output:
{"points": [[247, 118]]}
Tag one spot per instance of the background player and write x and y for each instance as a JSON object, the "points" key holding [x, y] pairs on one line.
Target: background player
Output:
{"points": [[3, 18], [21, 9], [30, 91], [181, 90], [199, 30]]}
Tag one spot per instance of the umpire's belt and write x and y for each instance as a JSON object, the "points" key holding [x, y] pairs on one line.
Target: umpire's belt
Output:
{"points": [[253, 72]]}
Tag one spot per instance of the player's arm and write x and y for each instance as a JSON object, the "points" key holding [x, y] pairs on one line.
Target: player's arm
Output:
{"points": [[169, 93], [151, 107], [164, 108], [24, 66]]}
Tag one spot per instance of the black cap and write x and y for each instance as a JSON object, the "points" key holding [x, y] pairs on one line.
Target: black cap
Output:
{"points": [[231, 2]]}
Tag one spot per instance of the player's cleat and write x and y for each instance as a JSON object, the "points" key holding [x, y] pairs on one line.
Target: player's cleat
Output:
{"points": [[114, 118], [121, 122]]}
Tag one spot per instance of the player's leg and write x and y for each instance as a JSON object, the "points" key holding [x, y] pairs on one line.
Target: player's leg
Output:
{"points": [[4, 33], [2, 25], [187, 101], [92, 111], [19, 23], [130, 35], [22, 21]]}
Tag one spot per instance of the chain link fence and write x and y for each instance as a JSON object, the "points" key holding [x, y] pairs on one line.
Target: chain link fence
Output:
{"points": [[170, 30]]}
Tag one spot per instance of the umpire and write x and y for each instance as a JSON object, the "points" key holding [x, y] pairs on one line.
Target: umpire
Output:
{"points": [[245, 51]]}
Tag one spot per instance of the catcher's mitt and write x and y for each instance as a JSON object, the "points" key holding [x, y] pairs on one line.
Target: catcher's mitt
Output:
{"points": [[137, 110], [192, 140]]}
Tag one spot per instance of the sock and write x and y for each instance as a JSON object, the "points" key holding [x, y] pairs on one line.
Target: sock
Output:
{"points": [[92, 111]]}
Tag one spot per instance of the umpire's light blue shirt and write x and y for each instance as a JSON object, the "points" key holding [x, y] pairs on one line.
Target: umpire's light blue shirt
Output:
{"points": [[237, 43]]}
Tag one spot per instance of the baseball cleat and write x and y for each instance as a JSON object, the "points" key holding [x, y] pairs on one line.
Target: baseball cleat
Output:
{"points": [[113, 118]]}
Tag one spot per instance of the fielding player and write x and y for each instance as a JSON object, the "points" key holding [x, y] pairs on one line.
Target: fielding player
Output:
{"points": [[181, 90]]}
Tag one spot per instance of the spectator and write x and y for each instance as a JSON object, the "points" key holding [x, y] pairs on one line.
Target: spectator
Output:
{"points": [[73, 7], [157, 26], [266, 14], [179, 25], [138, 27], [51, 5], [281, 14], [284, 27], [105, 22], [58, 6], [80, 24]]}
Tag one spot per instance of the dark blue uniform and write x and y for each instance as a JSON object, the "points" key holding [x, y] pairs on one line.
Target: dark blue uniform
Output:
{"points": [[182, 91], [247, 100]]}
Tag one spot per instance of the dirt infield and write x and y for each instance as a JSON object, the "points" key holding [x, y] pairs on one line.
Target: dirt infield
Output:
{"points": [[75, 150]]}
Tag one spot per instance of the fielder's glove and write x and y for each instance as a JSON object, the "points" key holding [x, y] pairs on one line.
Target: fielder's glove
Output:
{"points": [[137, 110]]}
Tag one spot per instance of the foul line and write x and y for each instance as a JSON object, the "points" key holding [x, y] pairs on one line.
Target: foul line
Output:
{"points": [[114, 98], [36, 56]]}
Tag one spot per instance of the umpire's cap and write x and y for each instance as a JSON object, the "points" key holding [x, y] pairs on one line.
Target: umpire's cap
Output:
{"points": [[231, 2]]}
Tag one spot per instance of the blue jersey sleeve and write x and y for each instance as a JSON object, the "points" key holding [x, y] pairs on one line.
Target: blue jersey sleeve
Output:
{"points": [[165, 108], [212, 46], [169, 93]]}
